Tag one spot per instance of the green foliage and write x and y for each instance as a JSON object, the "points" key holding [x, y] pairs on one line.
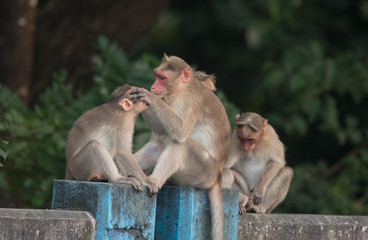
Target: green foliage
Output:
{"points": [[3, 154], [37, 137], [321, 95]]}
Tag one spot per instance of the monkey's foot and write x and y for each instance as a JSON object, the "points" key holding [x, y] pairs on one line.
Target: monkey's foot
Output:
{"points": [[242, 209], [152, 186], [251, 208], [132, 181]]}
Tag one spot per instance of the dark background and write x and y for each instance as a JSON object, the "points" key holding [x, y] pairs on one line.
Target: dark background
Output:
{"points": [[303, 65]]}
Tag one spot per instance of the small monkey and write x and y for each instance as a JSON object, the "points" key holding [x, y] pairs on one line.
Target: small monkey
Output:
{"points": [[190, 133], [256, 165], [208, 80], [99, 145]]}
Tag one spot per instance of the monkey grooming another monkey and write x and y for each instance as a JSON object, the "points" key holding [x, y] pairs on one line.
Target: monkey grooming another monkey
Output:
{"points": [[99, 145], [256, 165], [190, 133]]}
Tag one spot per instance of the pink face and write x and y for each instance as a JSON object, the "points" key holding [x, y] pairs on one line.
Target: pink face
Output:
{"points": [[159, 86], [247, 137]]}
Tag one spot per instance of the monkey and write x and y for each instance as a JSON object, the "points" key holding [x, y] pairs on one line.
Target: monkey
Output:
{"points": [[99, 144], [156, 145], [190, 134], [208, 80], [256, 165]]}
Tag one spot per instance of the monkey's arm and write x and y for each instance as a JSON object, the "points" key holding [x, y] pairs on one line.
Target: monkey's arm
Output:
{"points": [[153, 122], [178, 128], [126, 164], [270, 172]]}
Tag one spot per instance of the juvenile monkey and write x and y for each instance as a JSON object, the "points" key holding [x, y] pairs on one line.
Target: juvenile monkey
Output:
{"points": [[208, 80], [99, 145], [190, 133], [256, 165]]}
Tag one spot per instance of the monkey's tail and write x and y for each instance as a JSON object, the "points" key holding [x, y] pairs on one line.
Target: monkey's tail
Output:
{"points": [[217, 211]]}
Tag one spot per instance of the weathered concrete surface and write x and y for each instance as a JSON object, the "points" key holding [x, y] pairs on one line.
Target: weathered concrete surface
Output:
{"points": [[35, 224], [302, 227], [183, 213], [121, 212]]}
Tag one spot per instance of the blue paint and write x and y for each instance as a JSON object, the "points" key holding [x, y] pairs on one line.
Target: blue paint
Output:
{"points": [[120, 211], [123, 213], [183, 213]]}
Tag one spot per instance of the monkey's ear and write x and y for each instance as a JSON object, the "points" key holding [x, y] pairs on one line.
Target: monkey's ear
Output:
{"points": [[185, 74], [237, 117], [126, 104], [265, 124]]}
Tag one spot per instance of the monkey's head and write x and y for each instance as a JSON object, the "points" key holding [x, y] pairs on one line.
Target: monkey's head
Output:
{"points": [[249, 129], [172, 72], [120, 99], [208, 80]]}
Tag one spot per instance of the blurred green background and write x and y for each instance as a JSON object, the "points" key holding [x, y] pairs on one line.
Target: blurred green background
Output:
{"points": [[303, 65]]}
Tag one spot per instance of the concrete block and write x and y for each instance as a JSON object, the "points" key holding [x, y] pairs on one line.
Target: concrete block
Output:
{"points": [[302, 227], [35, 224], [120, 211], [183, 213]]}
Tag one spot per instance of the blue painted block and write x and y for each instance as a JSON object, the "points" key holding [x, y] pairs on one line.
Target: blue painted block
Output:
{"points": [[120, 211], [183, 213]]}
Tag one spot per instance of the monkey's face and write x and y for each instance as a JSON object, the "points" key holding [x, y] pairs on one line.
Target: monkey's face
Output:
{"points": [[162, 83], [247, 136]]}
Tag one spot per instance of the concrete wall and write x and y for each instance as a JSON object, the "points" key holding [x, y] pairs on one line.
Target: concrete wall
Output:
{"points": [[302, 227], [27, 224], [183, 213], [122, 213]]}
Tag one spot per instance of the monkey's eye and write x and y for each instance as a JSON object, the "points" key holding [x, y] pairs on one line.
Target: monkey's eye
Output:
{"points": [[160, 77], [253, 129]]}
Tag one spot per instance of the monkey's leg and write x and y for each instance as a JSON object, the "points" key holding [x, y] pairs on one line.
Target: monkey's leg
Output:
{"points": [[169, 162], [190, 164], [227, 178], [94, 161], [276, 191], [148, 155], [243, 200], [243, 187], [68, 176], [129, 167], [240, 182]]}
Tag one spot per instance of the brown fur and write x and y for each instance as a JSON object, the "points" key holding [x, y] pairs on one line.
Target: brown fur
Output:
{"points": [[99, 145], [190, 134], [257, 168]]}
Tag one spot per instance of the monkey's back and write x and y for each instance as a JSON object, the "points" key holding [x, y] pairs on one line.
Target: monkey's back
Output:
{"points": [[91, 125], [213, 128]]}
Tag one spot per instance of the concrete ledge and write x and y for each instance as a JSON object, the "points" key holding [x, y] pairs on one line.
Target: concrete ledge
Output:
{"points": [[46, 224], [302, 227], [121, 212], [183, 213]]}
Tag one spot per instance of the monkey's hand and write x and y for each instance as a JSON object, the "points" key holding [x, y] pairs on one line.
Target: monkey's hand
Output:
{"points": [[140, 94], [257, 197]]}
